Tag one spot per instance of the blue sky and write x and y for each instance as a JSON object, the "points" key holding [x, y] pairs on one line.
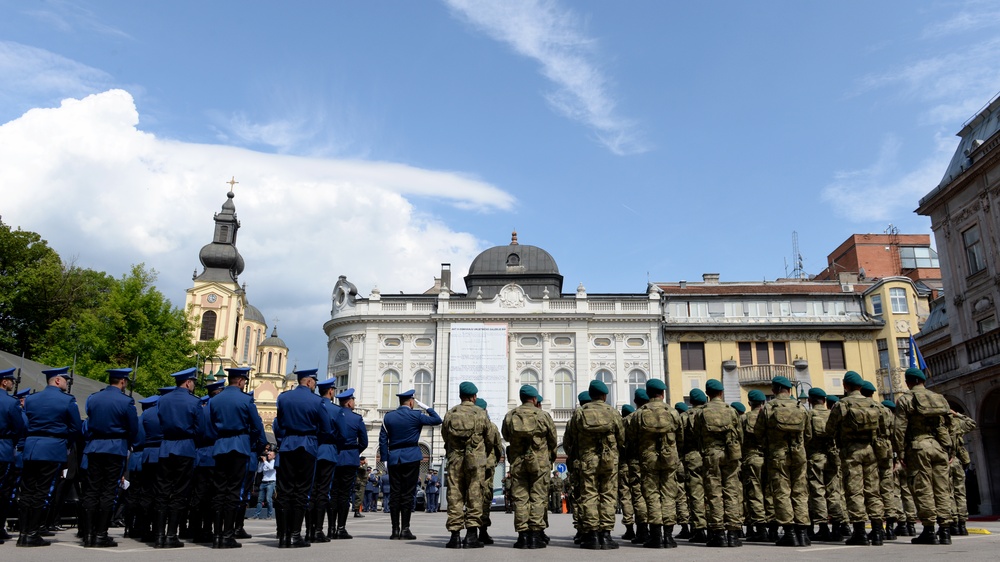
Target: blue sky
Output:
{"points": [[632, 140]]}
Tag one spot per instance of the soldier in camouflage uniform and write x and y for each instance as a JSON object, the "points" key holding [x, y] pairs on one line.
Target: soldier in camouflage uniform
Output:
{"points": [[532, 437], [575, 470], [719, 437], [467, 436], [923, 431], [782, 427], [853, 423], [888, 488], [694, 484], [633, 475], [360, 480], [958, 463], [624, 492], [897, 479], [752, 471], [819, 475], [835, 486], [595, 436], [493, 456], [681, 495], [653, 433]]}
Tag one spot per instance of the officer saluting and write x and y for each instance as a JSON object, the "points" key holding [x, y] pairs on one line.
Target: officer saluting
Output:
{"points": [[111, 425], [239, 434], [12, 429], [301, 420], [180, 415], [398, 447], [53, 421]]}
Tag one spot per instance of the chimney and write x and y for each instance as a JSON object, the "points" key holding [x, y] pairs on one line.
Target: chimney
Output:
{"points": [[710, 278], [446, 275]]}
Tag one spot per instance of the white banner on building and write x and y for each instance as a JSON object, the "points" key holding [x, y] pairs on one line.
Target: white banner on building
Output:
{"points": [[478, 354]]}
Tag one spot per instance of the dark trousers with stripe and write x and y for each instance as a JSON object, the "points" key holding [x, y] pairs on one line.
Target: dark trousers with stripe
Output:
{"points": [[104, 472], [402, 486], [173, 483], [295, 478], [229, 477]]}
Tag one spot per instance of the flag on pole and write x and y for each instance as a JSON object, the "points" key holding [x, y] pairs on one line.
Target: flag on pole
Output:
{"points": [[916, 359]]}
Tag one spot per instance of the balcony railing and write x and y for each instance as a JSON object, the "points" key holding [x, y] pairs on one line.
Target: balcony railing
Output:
{"points": [[943, 363], [762, 374], [984, 346], [561, 414]]}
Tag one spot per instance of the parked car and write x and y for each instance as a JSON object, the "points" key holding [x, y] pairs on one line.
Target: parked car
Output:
{"points": [[421, 504], [499, 503]]}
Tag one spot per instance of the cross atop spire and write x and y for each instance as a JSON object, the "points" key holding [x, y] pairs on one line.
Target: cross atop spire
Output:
{"points": [[232, 183]]}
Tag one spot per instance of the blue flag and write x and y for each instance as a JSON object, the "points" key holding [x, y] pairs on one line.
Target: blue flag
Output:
{"points": [[916, 359]]}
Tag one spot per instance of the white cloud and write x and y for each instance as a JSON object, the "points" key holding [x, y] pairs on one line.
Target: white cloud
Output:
{"points": [[883, 192], [553, 36], [71, 16], [103, 191]]}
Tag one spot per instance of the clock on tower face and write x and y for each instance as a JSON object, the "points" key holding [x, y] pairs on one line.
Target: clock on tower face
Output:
{"points": [[212, 297]]}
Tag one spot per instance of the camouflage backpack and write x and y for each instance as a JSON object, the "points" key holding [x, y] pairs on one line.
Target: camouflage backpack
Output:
{"points": [[862, 417], [523, 425], [930, 404], [787, 416], [597, 420], [656, 420], [718, 420]]}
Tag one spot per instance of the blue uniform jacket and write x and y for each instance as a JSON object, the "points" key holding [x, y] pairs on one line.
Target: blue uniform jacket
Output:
{"points": [[372, 484], [235, 423], [135, 457], [12, 426], [327, 444], [433, 485], [400, 434], [53, 418], [150, 420], [111, 422], [301, 420], [205, 441], [352, 437], [384, 483], [180, 420]]}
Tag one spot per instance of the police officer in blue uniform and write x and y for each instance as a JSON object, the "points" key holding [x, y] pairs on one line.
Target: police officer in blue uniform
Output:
{"points": [[398, 445], [201, 503], [385, 486], [12, 429], [432, 489], [326, 463], [239, 435], [112, 425], [150, 421], [351, 438], [300, 422], [180, 420], [53, 421]]}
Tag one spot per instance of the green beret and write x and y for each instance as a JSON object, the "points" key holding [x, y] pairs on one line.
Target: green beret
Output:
{"points": [[832, 399], [739, 407], [681, 406], [853, 379], [889, 404], [467, 389], [817, 392], [782, 381], [756, 396], [641, 394], [655, 384], [597, 387], [915, 373], [528, 391], [698, 396], [583, 397], [714, 385], [627, 409], [481, 403], [540, 398], [867, 386]]}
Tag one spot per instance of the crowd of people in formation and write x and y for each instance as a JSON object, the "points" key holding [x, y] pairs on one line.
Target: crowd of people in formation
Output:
{"points": [[718, 473]]}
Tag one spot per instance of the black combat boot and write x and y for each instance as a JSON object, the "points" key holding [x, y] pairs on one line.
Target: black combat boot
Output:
{"points": [[911, 529], [823, 535], [219, 527], [699, 536], [787, 539], [294, 523], [394, 518], [542, 538], [810, 533], [173, 521], [835, 535], [953, 528], [484, 536], [280, 527], [962, 531], [716, 539], [404, 531], [803, 535], [104, 540], [943, 536], [455, 541], [606, 541], [241, 517], [877, 534], [641, 533], [890, 535], [521, 543], [318, 515], [342, 534], [630, 533], [927, 536], [589, 540], [685, 532], [668, 537], [772, 531], [900, 530], [472, 538], [858, 537], [733, 539], [161, 530], [653, 539]]}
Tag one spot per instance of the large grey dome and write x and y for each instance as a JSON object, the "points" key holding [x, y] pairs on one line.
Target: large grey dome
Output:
{"points": [[253, 314], [531, 267], [273, 341]]}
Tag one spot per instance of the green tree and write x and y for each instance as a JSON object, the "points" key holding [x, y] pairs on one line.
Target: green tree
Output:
{"points": [[133, 320]]}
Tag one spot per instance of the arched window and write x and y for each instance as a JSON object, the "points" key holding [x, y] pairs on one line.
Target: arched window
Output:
{"points": [[530, 376], [390, 388], [636, 380], [278, 370], [422, 387], [269, 354], [246, 345], [565, 392], [341, 368], [208, 321], [607, 378]]}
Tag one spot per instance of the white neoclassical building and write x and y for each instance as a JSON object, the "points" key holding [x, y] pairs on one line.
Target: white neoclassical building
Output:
{"points": [[514, 326]]}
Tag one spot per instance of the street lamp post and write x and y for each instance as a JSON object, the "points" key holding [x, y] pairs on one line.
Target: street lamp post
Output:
{"points": [[801, 392]]}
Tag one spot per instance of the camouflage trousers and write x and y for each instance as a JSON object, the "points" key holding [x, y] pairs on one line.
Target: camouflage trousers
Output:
{"points": [[753, 488], [906, 498], [723, 491], [825, 498], [634, 477], [695, 489], [861, 484], [786, 473], [486, 493], [888, 487], [680, 498], [465, 504], [625, 496], [961, 511], [659, 490], [598, 495], [530, 492], [930, 484]]}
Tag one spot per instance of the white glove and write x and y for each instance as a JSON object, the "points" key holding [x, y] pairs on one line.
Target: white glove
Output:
{"points": [[422, 406]]}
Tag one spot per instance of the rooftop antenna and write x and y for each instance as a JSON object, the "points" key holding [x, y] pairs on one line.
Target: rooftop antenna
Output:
{"points": [[796, 256]]}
